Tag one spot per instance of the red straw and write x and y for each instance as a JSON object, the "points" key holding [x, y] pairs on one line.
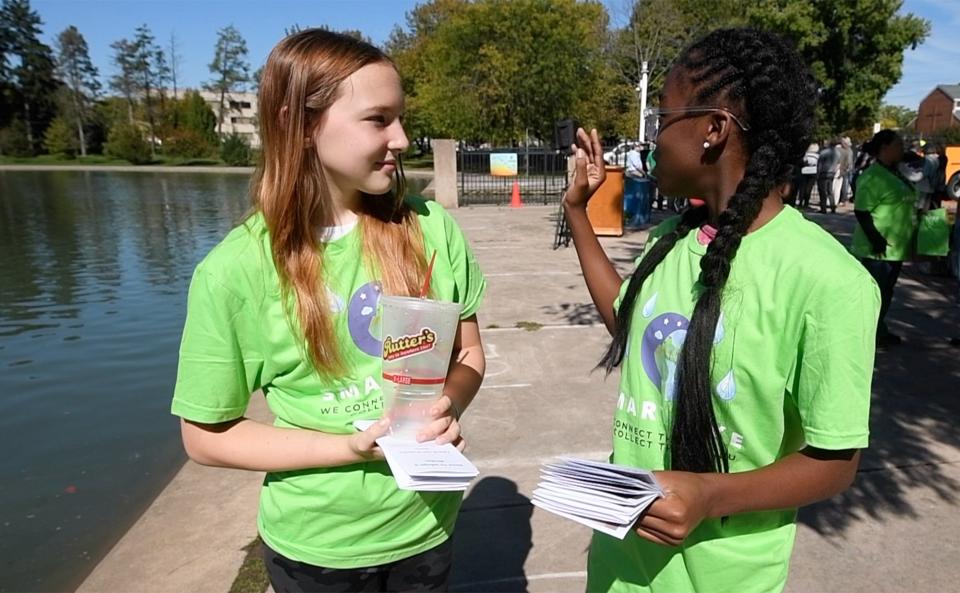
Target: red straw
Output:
{"points": [[426, 281]]}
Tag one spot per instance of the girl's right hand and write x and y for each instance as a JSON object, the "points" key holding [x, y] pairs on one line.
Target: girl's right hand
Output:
{"points": [[364, 444], [589, 171]]}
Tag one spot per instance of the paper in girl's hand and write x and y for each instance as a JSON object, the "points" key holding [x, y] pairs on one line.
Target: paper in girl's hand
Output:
{"points": [[362, 425], [606, 497]]}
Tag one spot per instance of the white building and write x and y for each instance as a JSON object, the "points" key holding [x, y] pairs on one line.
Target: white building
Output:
{"points": [[239, 114]]}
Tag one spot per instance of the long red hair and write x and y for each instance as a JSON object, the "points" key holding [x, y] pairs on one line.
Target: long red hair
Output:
{"points": [[300, 81]]}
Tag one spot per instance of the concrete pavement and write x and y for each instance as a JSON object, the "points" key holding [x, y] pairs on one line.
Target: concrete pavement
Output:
{"points": [[894, 530]]}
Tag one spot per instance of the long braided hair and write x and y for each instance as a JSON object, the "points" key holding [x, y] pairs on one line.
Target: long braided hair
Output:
{"points": [[760, 76]]}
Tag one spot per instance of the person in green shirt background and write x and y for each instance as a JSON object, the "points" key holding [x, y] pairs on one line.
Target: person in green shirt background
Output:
{"points": [[745, 333], [287, 303], [886, 211]]}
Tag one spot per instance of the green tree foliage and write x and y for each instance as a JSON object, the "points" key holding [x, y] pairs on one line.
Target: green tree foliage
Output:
{"points": [[80, 77], [657, 30], [235, 150], [60, 138], [126, 141], [896, 117], [192, 128], [150, 72], [855, 49], [196, 115], [187, 144], [125, 79], [13, 140], [30, 70], [229, 68], [499, 69], [950, 136], [6, 73]]}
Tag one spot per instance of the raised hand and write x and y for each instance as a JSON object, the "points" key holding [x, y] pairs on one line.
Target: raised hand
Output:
{"points": [[589, 171]]}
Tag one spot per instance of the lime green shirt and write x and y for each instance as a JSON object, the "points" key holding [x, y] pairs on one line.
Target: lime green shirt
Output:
{"points": [[792, 364], [892, 203], [237, 339]]}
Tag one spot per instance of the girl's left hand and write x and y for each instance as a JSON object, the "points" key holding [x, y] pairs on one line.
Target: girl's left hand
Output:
{"points": [[444, 426], [685, 503]]}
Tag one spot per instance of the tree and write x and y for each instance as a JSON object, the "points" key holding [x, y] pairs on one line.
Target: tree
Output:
{"points": [[501, 70], [149, 69], [896, 117], [174, 61], [125, 80], [197, 116], [59, 139], [126, 142], [855, 49], [229, 67], [656, 32], [235, 150], [80, 76], [6, 75], [33, 78]]}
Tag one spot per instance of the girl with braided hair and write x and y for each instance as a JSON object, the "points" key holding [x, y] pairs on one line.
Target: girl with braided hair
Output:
{"points": [[746, 333]]}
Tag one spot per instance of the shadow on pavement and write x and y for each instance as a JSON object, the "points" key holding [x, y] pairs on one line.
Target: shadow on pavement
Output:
{"points": [[492, 539]]}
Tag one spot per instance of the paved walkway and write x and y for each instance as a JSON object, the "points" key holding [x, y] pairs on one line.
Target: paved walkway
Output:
{"points": [[895, 530]]}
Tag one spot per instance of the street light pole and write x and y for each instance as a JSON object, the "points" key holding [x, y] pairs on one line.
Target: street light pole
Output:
{"points": [[642, 89]]}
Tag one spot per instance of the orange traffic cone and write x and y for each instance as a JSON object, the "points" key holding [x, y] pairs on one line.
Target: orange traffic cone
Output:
{"points": [[515, 195]]}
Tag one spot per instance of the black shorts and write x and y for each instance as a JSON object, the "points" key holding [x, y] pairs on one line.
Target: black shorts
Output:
{"points": [[427, 571]]}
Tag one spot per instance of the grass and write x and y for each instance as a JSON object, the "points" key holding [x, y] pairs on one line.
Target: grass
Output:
{"points": [[252, 577], [51, 159], [421, 161], [100, 159], [530, 326]]}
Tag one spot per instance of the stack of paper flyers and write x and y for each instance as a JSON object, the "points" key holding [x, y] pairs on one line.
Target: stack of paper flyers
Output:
{"points": [[606, 497], [427, 466], [424, 466]]}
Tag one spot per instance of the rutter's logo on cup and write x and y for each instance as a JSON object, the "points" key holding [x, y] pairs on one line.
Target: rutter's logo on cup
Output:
{"points": [[403, 346]]}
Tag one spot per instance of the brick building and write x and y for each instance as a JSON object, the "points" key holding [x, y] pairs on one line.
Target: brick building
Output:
{"points": [[939, 110]]}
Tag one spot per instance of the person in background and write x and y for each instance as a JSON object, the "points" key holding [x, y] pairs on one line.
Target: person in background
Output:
{"points": [[931, 178], [636, 197], [860, 164], [886, 222], [827, 165], [844, 169], [808, 176]]}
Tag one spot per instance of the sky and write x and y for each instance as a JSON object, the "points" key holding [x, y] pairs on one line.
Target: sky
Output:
{"points": [[262, 23]]}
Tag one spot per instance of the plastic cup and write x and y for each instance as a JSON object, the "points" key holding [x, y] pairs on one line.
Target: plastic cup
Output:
{"points": [[417, 339]]}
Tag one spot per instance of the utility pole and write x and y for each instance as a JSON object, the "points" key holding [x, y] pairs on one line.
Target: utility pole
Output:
{"points": [[642, 89]]}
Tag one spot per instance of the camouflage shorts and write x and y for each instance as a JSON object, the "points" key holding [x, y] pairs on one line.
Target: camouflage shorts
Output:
{"points": [[427, 571]]}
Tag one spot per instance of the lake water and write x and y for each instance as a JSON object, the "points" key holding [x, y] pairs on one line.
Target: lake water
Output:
{"points": [[94, 269]]}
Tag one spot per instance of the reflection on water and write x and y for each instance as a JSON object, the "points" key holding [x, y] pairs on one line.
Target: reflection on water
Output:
{"points": [[94, 269], [94, 272]]}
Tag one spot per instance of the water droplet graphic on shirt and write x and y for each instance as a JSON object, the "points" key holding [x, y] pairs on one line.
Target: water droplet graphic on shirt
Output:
{"points": [[718, 334], [334, 301], [658, 335], [727, 387], [649, 307]]}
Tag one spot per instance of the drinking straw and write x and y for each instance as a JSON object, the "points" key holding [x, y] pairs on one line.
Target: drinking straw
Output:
{"points": [[426, 281]]}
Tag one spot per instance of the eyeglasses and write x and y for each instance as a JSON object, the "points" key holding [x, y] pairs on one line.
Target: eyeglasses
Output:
{"points": [[652, 118]]}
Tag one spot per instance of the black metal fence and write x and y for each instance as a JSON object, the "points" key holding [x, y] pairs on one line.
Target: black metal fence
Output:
{"points": [[541, 175]]}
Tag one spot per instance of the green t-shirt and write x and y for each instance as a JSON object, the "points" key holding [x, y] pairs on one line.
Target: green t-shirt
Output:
{"points": [[892, 203], [237, 339], [792, 364]]}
